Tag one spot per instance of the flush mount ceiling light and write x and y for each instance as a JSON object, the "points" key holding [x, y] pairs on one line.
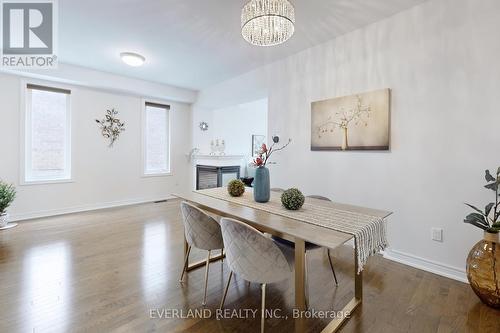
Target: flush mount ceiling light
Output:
{"points": [[132, 59], [267, 22]]}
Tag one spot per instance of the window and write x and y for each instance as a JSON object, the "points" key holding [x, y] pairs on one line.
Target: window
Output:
{"points": [[156, 139], [47, 134]]}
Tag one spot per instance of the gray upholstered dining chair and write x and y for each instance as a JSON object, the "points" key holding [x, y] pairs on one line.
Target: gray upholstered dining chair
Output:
{"points": [[277, 189], [254, 257], [203, 232], [309, 247]]}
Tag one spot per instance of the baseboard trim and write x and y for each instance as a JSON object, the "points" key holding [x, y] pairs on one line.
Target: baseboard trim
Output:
{"points": [[84, 208], [426, 265]]}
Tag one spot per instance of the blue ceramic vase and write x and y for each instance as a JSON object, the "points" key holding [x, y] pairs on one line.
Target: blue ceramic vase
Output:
{"points": [[261, 187]]}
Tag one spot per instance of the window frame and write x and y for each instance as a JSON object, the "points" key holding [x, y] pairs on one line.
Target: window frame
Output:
{"points": [[26, 134], [168, 107]]}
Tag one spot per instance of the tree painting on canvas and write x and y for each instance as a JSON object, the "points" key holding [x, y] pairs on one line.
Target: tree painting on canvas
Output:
{"points": [[356, 122]]}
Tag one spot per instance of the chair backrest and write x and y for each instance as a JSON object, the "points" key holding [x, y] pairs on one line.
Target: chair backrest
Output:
{"points": [[201, 230], [319, 197], [277, 189], [251, 255]]}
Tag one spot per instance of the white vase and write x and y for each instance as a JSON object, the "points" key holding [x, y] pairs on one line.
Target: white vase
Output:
{"points": [[345, 143], [4, 219]]}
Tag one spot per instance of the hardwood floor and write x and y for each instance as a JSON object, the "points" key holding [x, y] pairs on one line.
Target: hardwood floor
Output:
{"points": [[107, 270]]}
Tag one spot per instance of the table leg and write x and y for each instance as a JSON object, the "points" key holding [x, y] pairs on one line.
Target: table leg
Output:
{"points": [[300, 265], [300, 296], [358, 280], [335, 324]]}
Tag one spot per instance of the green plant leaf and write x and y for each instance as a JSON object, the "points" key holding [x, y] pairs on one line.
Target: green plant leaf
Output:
{"points": [[475, 208], [492, 186], [498, 172], [7, 195], [477, 220], [488, 208], [489, 177], [480, 226]]}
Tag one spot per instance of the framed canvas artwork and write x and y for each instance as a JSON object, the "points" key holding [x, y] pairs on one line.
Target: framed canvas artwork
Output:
{"points": [[257, 141], [356, 122]]}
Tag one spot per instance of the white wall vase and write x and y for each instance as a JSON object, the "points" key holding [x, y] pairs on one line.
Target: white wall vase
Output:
{"points": [[212, 148], [218, 147], [4, 220], [222, 148], [345, 143]]}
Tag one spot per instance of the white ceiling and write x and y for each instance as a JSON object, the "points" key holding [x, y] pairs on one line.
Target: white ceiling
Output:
{"points": [[196, 43]]}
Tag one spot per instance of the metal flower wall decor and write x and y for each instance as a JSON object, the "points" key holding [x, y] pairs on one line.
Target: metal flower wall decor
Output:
{"points": [[111, 126]]}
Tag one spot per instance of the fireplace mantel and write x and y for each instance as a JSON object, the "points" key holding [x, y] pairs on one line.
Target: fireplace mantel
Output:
{"points": [[217, 157], [218, 160]]}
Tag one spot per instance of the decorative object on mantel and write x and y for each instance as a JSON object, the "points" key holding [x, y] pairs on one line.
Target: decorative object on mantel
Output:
{"points": [[292, 199], [192, 153], [261, 183], [267, 22], [212, 158], [483, 262], [7, 196], [111, 126], [257, 141], [357, 122], [204, 126], [236, 188], [217, 147]]}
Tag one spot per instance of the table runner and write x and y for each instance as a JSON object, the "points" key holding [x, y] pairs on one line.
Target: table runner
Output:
{"points": [[369, 231]]}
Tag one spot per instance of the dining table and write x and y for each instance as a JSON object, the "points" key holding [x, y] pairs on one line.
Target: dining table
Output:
{"points": [[292, 228]]}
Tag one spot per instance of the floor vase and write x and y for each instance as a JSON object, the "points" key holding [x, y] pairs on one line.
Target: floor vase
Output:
{"points": [[483, 269]]}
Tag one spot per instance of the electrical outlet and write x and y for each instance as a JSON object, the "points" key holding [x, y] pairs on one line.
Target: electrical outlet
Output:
{"points": [[437, 234]]}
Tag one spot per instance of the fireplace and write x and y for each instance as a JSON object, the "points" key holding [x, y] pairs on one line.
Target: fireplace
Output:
{"points": [[209, 176]]}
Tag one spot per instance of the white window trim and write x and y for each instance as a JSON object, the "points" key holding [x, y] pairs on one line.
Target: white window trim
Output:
{"points": [[24, 117], [145, 174]]}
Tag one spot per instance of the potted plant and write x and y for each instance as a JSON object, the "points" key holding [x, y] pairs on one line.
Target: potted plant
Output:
{"points": [[7, 195], [483, 262], [261, 183]]}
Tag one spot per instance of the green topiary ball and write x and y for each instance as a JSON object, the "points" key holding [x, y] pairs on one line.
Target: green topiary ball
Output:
{"points": [[292, 199], [236, 188]]}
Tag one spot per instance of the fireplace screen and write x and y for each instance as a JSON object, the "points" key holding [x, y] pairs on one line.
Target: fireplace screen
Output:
{"points": [[208, 176]]}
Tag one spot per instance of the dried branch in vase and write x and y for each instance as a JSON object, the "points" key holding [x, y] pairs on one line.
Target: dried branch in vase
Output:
{"points": [[265, 153]]}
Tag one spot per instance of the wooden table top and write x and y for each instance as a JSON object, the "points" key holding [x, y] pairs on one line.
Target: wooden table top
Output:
{"points": [[280, 225]]}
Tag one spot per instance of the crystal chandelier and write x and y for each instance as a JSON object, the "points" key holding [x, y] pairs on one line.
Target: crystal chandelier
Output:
{"points": [[267, 22]]}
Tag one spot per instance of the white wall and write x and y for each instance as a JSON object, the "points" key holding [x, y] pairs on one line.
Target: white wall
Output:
{"points": [[236, 125], [201, 139], [102, 176], [441, 61]]}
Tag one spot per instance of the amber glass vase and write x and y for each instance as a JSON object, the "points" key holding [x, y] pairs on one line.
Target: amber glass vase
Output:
{"points": [[483, 269]]}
